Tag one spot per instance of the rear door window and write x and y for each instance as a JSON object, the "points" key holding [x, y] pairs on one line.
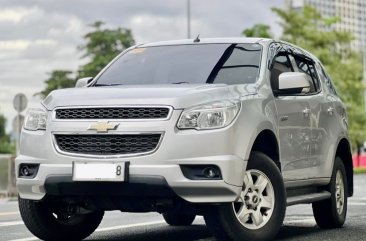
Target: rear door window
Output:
{"points": [[308, 67]]}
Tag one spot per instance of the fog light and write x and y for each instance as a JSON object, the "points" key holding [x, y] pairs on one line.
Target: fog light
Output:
{"points": [[24, 171], [28, 170], [201, 172], [210, 172]]}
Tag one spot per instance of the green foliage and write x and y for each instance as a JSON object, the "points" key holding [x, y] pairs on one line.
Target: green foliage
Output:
{"points": [[102, 45], [313, 32], [58, 79], [5, 145], [258, 30], [2, 126], [309, 30], [359, 170]]}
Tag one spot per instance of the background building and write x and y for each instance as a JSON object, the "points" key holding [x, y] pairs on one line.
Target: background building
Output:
{"points": [[351, 12], [352, 15]]}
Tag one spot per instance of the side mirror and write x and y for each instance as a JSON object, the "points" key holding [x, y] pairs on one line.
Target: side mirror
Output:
{"points": [[293, 83], [83, 82]]}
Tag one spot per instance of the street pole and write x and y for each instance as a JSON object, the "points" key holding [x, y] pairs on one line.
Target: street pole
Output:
{"points": [[19, 127], [188, 19], [19, 103]]}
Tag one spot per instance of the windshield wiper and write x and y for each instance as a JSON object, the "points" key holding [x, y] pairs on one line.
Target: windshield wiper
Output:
{"points": [[96, 85], [181, 82]]}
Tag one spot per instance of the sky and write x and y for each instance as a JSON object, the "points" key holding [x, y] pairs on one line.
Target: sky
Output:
{"points": [[38, 36]]}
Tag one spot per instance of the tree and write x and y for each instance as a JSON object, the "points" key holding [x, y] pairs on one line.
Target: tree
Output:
{"points": [[5, 144], [58, 79], [258, 30], [315, 33], [102, 45], [311, 31], [2, 126]]}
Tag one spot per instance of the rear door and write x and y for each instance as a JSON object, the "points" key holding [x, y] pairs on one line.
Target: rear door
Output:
{"points": [[327, 127]]}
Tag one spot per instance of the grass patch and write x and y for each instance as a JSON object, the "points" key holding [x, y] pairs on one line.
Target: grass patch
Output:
{"points": [[358, 170]]}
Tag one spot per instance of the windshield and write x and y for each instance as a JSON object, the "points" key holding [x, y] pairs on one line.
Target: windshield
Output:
{"points": [[180, 64]]}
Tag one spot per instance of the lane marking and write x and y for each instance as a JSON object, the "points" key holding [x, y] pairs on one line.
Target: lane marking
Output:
{"points": [[9, 213], [105, 229], [129, 226], [302, 222], [5, 224], [357, 198], [25, 239], [356, 203]]}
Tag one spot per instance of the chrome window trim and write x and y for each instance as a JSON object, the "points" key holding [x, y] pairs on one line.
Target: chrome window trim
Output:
{"points": [[170, 113], [70, 154]]}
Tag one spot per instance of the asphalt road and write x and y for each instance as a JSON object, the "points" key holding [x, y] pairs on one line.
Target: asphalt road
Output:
{"points": [[299, 224]]}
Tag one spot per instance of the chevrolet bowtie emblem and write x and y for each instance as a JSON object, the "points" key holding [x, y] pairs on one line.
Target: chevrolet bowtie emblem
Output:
{"points": [[103, 127]]}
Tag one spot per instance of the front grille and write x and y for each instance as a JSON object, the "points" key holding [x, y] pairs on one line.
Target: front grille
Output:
{"points": [[113, 113], [108, 144]]}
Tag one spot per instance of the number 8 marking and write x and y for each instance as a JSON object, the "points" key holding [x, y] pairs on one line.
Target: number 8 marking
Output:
{"points": [[119, 170]]}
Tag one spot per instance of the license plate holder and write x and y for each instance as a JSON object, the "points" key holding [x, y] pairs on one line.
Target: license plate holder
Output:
{"points": [[99, 171]]}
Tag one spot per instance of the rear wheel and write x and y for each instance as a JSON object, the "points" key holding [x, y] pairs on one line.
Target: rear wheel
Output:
{"points": [[178, 219], [49, 224], [331, 213], [258, 213]]}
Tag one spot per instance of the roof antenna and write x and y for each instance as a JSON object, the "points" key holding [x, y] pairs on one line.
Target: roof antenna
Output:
{"points": [[197, 39]]}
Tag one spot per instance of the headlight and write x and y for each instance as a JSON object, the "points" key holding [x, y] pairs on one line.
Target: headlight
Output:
{"points": [[209, 116], [36, 119]]}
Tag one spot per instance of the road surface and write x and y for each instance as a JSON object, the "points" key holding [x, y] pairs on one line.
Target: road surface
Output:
{"points": [[299, 224]]}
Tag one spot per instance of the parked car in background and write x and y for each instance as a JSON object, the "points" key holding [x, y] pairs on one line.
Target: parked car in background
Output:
{"points": [[359, 158], [233, 129]]}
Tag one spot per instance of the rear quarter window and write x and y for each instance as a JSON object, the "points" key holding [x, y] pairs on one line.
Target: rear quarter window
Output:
{"points": [[325, 78]]}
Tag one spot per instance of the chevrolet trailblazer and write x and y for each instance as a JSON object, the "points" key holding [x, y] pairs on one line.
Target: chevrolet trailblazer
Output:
{"points": [[231, 129]]}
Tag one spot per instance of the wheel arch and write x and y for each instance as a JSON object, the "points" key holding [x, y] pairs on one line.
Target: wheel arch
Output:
{"points": [[266, 142], [344, 152]]}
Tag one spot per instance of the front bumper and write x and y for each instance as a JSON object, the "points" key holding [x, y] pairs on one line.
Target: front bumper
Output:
{"points": [[190, 147], [196, 191]]}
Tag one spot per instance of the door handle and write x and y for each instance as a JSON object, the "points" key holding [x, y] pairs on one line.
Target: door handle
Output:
{"points": [[306, 112], [330, 110]]}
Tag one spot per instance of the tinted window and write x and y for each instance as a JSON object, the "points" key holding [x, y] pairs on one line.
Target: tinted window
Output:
{"points": [[326, 79], [280, 64], [241, 66], [308, 67], [199, 63]]}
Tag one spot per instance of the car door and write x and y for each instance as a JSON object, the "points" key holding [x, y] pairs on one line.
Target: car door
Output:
{"points": [[325, 125], [293, 116], [321, 111]]}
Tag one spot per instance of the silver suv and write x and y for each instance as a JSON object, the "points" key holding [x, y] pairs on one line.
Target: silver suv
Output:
{"points": [[232, 129]]}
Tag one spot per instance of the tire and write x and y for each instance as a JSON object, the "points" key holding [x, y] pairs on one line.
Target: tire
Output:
{"points": [[255, 216], [332, 212], [178, 219], [46, 225]]}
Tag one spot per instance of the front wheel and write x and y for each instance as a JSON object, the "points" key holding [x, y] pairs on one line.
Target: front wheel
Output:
{"points": [[178, 219], [47, 223], [331, 213], [259, 211]]}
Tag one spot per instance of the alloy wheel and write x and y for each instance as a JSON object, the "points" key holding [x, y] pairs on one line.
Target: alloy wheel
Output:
{"points": [[255, 205], [339, 192]]}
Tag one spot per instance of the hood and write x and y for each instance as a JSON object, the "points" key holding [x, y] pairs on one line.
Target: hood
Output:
{"points": [[178, 96]]}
